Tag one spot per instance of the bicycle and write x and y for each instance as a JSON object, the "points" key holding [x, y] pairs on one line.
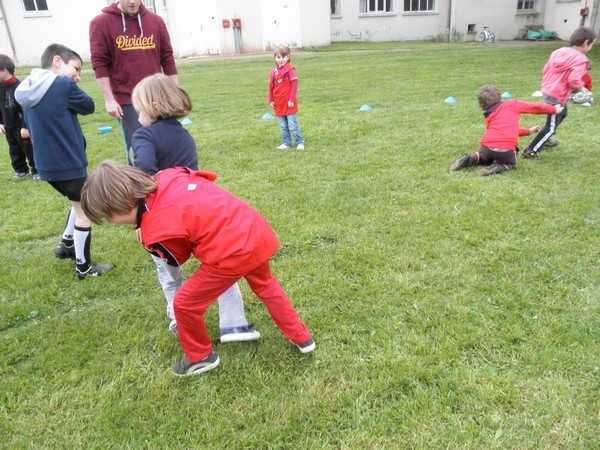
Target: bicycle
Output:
{"points": [[487, 35]]}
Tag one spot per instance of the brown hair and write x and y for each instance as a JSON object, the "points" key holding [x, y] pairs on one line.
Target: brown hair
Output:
{"points": [[582, 34], [65, 53], [158, 96], [282, 50], [7, 63], [487, 96], [114, 188]]}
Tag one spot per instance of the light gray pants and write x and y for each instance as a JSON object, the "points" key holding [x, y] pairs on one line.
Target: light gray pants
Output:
{"points": [[231, 305]]}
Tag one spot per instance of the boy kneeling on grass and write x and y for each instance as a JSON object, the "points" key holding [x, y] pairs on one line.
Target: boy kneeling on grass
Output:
{"points": [[182, 212], [498, 151]]}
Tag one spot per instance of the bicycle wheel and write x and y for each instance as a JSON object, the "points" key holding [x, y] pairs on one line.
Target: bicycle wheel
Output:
{"points": [[481, 37], [492, 37]]}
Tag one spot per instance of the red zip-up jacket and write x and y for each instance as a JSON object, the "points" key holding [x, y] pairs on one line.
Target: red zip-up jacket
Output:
{"points": [[189, 214], [503, 129], [283, 85]]}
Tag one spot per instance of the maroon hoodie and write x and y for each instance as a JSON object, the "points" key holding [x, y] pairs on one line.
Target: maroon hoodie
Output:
{"points": [[127, 49]]}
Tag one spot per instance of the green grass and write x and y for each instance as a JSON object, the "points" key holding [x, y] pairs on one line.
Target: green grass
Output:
{"points": [[449, 310]]}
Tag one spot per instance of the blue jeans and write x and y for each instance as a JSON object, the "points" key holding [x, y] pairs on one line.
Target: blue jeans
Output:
{"points": [[289, 124]]}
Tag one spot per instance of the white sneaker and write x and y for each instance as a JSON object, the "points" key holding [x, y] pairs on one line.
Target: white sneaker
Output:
{"points": [[282, 147], [300, 147], [173, 326], [239, 334]]}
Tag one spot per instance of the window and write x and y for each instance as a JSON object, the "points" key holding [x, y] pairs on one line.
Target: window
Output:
{"points": [[35, 5], [149, 4], [419, 5], [525, 5], [335, 7], [376, 6]]}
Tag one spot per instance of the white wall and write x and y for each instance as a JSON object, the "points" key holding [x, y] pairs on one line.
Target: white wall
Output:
{"points": [[67, 23], [397, 26], [564, 18], [500, 15], [195, 26]]}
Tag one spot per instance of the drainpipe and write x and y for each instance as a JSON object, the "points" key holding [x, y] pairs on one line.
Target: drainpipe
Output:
{"points": [[451, 24], [594, 14], [10, 39]]}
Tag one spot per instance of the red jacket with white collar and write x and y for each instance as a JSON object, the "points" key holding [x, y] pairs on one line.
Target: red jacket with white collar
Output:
{"points": [[503, 123]]}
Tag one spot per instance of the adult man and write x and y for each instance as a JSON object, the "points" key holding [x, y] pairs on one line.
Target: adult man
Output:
{"points": [[128, 43]]}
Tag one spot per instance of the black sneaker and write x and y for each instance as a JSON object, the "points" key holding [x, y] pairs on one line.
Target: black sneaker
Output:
{"points": [[530, 154], [94, 270], [63, 251], [306, 347], [551, 143], [490, 170], [460, 163], [184, 367]]}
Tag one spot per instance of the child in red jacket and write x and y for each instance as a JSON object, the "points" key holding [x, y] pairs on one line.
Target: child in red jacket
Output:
{"points": [[182, 212], [498, 151], [283, 85], [562, 75]]}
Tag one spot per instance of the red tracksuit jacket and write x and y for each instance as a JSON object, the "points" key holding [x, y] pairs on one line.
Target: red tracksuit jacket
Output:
{"points": [[189, 214]]}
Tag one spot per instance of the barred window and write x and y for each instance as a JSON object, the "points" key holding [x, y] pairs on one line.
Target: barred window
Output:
{"points": [[376, 6], [419, 5], [525, 5]]}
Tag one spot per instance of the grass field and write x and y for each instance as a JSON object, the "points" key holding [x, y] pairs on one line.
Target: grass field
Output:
{"points": [[449, 310]]}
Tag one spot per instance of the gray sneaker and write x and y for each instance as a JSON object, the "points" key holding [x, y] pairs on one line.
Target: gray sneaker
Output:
{"points": [[306, 347], [94, 270], [19, 175], [184, 368], [239, 334]]}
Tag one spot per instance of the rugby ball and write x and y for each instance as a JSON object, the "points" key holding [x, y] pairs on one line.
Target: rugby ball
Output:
{"points": [[581, 97]]}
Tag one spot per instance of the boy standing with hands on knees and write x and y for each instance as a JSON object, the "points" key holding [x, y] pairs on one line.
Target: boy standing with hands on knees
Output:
{"points": [[51, 101], [182, 212]]}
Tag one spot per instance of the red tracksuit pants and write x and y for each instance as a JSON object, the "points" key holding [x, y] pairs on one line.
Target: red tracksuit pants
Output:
{"points": [[203, 288]]}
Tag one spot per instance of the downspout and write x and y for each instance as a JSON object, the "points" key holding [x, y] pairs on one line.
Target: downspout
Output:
{"points": [[451, 17], [10, 39], [594, 14]]}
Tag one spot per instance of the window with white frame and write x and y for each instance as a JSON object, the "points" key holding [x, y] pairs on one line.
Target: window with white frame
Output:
{"points": [[525, 5], [149, 4], [419, 5], [376, 6], [35, 5], [335, 7]]}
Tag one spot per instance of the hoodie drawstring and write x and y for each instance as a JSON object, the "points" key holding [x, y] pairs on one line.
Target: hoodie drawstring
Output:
{"points": [[139, 18]]}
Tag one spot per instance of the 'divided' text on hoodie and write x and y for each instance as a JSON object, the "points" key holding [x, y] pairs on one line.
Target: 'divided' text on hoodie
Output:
{"points": [[127, 49]]}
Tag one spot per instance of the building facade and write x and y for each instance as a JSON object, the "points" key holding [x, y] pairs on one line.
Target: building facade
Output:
{"points": [[455, 20], [197, 27], [220, 27]]}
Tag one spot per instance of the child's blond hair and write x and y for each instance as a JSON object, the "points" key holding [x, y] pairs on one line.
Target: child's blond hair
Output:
{"points": [[113, 188], [159, 97], [282, 50]]}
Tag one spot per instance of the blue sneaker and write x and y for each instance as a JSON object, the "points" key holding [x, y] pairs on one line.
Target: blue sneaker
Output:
{"points": [[239, 334]]}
